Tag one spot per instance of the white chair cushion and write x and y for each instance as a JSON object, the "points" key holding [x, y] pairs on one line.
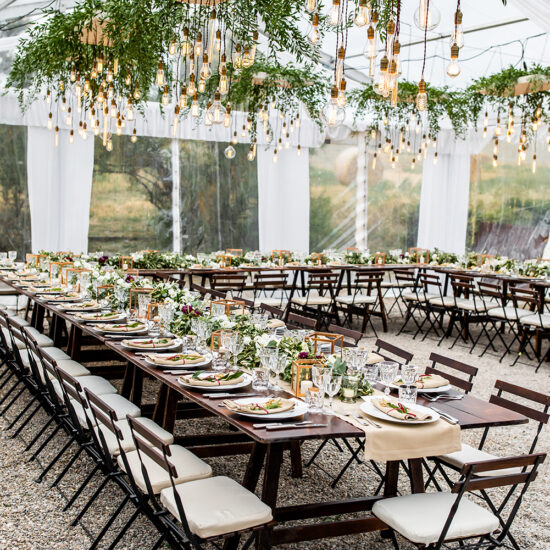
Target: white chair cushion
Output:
{"points": [[96, 384], [19, 319], [411, 295], [216, 506], [72, 368], [127, 440], [421, 517], [56, 354], [122, 407], [24, 354], [19, 343], [188, 466], [446, 301], [312, 300], [475, 305], [42, 340], [356, 299], [534, 320], [510, 313], [267, 301], [470, 454]]}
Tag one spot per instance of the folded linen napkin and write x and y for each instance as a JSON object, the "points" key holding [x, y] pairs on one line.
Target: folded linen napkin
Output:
{"points": [[98, 316], [395, 409], [189, 358], [262, 408], [85, 305], [275, 323], [374, 358], [132, 327], [213, 379], [429, 381], [151, 343]]}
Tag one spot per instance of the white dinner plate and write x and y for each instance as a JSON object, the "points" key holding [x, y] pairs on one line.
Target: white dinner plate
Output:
{"points": [[207, 361], [300, 408], [245, 382], [370, 409], [138, 330], [114, 318], [61, 299], [73, 308], [175, 345]]}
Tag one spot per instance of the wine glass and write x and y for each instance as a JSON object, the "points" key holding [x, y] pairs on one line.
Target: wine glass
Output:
{"points": [[3, 256], [332, 383], [371, 374], [120, 297], [228, 341], [277, 366], [237, 349], [409, 374], [388, 373], [143, 303], [12, 255], [166, 314]]}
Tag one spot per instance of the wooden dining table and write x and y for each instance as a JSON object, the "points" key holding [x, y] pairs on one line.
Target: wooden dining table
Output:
{"points": [[264, 448]]}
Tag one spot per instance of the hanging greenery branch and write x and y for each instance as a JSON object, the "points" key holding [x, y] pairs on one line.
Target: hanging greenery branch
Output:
{"points": [[464, 107]]}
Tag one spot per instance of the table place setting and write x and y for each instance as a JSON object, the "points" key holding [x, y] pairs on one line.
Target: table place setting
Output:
{"points": [[151, 344], [186, 359], [91, 305], [135, 327], [101, 316]]}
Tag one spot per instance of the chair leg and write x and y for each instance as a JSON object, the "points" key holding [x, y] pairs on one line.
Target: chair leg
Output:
{"points": [[56, 458], [67, 467], [90, 501], [37, 436], [76, 494], [110, 521], [26, 421]]}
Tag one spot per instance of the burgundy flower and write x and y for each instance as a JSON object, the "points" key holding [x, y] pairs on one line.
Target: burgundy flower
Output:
{"points": [[68, 258], [103, 259], [129, 279], [186, 309], [303, 355]]}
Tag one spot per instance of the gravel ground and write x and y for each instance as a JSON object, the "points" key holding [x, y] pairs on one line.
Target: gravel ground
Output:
{"points": [[32, 517]]}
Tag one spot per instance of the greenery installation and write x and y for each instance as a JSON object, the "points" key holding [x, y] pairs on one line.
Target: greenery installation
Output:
{"points": [[464, 107], [104, 60]]}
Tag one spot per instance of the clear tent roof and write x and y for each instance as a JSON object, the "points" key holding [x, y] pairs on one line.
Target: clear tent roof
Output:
{"points": [[496, 36]]}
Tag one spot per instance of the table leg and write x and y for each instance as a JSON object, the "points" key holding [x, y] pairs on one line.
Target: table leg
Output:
{"points": [[296, 459], [75, 343], [166, 408], [417, 475], [391, 478], [128, 380]]}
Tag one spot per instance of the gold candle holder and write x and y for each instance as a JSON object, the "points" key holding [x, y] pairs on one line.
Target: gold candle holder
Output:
{"points": [[301, 372], [125, 263], [320, 338], [231, 307]]}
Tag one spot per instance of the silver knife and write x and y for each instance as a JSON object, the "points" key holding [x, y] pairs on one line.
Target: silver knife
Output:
{"points": [[446, 416], [265, 424], [224, 395], [271, 427]]}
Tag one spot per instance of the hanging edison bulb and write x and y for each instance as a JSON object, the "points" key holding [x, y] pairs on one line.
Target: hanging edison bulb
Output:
{"points": [[237, 57], [160, 75], [362, 15], [113, 109], [198, 45], [485, 124], [453, 69], [202, 85], [56, 139], [254, 46], [333, 114], [223, 83], [191, 89], [380, 86], [227, 117], [426, 17], [313, 35], [133, 139], [311, 5], [217, 110], [335, 18], [247, 58], [183, 98], [342, 100], [229, 152], [299, 151], [165, 96], [498, 129], [457, 36], [371, 49], [235, 139], [50, 121], [185, 46], [129, 110], [251, 152], [205, 69], [421, 97], [195, 106], [73, 73], [392, 82], [218, 41], [99, 63], [275, 156], [339, 73], [48, 97]]}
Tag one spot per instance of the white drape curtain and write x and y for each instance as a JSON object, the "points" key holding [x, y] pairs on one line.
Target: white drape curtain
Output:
{"points": [[60, 186], [536, 10], [283, 200], [444, 197]]}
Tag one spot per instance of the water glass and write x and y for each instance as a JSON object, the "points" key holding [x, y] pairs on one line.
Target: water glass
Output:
{"points": [[143, 303], [260, 378], [120, 297], [154, 328], [12, 255], [350, 386], [317, 374], [277, 365], [409, 374], [219, 362], [166, 314], [408, 394], [218, 310], [371, 374], [315, 399], [388, 373], [332, 383], [3, 256]]}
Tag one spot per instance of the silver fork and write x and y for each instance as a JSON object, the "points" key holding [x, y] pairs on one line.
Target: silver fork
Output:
{"points": [[438, 397], [366, 421]]}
